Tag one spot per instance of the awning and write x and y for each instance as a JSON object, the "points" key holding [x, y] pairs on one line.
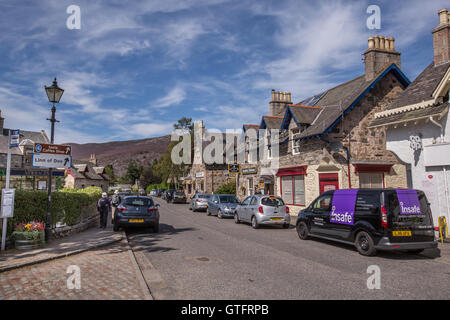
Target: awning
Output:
{"points": [[292, 171], [372, 167], [266, 179]]}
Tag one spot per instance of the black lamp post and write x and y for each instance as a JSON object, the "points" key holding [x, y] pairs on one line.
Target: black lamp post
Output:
{"points": [[54, 94]]}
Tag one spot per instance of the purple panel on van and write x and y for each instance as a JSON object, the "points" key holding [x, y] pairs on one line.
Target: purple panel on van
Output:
{"points": [[343, 206], [409, 202]]}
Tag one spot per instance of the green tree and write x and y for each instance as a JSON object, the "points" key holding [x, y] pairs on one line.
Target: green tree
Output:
{"points": [[133, 173], [149, 178], [227, 188], [109, 170]]}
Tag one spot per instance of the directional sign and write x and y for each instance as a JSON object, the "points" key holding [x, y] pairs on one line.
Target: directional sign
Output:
{"points": [[45, 160], [52, 149], [14, 138], [7, 209]]}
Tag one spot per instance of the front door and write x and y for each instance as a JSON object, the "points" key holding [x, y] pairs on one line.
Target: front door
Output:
{"points": [[328, 181]]}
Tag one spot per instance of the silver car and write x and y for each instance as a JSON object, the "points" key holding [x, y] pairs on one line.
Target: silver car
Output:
{"points": [[263, 210], [222, 205], [199, 201]]}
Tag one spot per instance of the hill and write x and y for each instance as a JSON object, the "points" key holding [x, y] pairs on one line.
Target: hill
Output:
{"points": [[119, 153]]}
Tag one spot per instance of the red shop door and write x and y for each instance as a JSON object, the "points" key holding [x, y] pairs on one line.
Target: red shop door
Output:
{"points": [[328, 181]]}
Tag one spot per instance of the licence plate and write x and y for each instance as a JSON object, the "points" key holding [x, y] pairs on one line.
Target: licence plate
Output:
{"points": [[276, 219], [136, 220], [406, 233]]}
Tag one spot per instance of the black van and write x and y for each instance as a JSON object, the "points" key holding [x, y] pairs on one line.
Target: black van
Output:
{"points": [[371, 220]]}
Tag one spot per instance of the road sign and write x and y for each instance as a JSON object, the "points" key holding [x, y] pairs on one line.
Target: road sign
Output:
{"points": [[45, 160], [14, 138], [52, 149], [7, 210]]}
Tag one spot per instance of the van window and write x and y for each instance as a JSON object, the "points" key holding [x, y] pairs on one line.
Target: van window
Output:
{"points": [[368, 202], [323, 203]]}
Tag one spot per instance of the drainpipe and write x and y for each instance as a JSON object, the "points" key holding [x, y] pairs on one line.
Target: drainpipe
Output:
{"points": [[440, 126], [348, 160], [444, 169]]}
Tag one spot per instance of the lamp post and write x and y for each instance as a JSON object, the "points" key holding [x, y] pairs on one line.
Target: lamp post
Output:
{"points": [[54, 94]]}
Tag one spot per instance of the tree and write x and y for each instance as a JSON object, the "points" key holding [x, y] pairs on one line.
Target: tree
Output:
{"points": [[227, 188], [149, 178], [133, 173], [109, 170]]}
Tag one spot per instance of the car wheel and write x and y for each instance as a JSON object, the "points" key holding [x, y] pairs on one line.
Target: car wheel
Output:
{"points": [[236, 218], [302, 231], [156, 228], [255, 224], [219, 214], [364, 244]]}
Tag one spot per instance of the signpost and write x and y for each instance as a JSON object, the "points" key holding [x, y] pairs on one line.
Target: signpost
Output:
{"points": [[52, 149], [45, 160], [7, 194]]}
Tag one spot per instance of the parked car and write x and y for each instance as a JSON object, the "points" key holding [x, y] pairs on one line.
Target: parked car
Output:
{"points": [[153, 192], [263, 210], [137, 211], [371, 219], [222, 205], [199, 202], [160, 192], [179, 197]]}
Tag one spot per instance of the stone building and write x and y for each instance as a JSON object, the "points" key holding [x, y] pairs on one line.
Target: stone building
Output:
{"points": [[87, 174], [205, 176], [325, 141], [23, 175], [417, 125]]}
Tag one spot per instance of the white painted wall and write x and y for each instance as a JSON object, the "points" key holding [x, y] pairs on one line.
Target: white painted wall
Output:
{"points": [[429, 179]]}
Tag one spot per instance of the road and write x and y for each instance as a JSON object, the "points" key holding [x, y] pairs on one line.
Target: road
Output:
{"points": [[196, 256]]}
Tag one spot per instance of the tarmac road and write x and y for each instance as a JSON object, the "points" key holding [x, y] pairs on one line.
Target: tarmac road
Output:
{"points": [[196, 256]]}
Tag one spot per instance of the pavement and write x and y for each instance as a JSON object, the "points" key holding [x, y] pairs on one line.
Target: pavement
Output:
{"points": [[196, 256], [107, 269]]}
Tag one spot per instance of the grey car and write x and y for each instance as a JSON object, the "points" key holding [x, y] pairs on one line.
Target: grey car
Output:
{"points": [[199, 202], [263, 210], [222, 205]]}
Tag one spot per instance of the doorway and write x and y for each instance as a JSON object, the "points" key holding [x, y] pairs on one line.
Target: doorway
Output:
{"points": [[328, 181]]}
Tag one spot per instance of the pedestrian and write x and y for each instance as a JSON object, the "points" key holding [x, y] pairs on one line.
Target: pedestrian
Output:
{"points": [[116, 200], [103, 207]]}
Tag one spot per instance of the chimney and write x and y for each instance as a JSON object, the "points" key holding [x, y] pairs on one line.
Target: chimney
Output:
{"points": [[278, 105], [380, 54], [441, 38], [2, 123], [93, 159]]}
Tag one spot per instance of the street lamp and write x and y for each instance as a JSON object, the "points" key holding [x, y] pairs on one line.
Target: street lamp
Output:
{"points": [[54, 94]]}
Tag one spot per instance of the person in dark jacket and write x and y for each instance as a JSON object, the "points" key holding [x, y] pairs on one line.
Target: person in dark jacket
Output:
{"points": [[103, 207]]}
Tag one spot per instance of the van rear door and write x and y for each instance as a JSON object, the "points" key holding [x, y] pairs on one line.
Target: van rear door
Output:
{"points": [[407, 223]]}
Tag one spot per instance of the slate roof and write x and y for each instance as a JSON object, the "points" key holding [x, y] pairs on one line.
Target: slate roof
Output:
{"points": [[341, 99], [92, 173], [271, 122], [37, 137], [247, 126], [421, 89], [305, 114]]}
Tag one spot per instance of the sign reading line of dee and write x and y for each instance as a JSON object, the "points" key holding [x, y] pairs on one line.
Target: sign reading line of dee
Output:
{"points": [[52, 156]]}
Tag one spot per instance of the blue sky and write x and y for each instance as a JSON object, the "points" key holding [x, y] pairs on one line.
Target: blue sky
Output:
{"points": [[135, 67]]}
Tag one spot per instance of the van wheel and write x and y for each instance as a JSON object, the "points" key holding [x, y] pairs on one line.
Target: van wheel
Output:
{"points": [[364, 244], [236, 218], [255, 224], [302, 231]]}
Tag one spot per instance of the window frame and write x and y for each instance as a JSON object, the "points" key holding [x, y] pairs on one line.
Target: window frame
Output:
{"points": [[293, 190]]}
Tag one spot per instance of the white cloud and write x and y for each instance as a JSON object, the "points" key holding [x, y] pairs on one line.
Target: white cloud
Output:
{"points": [[174, 97], [151, 129]]}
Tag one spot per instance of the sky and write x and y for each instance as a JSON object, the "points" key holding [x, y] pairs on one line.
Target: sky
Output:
{"points": [[135, 67]]}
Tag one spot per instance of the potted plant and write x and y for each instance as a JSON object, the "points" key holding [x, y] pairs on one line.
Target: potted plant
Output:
{"points": [[29, 235]]}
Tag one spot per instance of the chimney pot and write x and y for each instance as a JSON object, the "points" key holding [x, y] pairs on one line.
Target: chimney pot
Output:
{"points": [[443, 16], [382, 43], [371, 43], [377, 42]]}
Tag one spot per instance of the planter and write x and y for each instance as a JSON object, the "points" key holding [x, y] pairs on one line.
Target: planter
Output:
{"points": [[27, 244]]}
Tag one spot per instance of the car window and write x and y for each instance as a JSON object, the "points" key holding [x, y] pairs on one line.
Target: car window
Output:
{"points": [[272, 202], [323, 203], [246, 201], [204, 196], [138, 202], [253, 201], [228, 199]]}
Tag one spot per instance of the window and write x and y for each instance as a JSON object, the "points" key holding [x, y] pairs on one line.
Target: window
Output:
{"points": [[293, 189], [368, 202], [228, 199], [138, 202], [246, 201], [322, 204], [295, 146], [272, 202], [253, 201], [370, 180], [250, 187]]}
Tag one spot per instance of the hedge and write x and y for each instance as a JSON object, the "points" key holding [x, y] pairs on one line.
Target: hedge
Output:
{"points": [[227, 188], [165, 186], [68, 206]]}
